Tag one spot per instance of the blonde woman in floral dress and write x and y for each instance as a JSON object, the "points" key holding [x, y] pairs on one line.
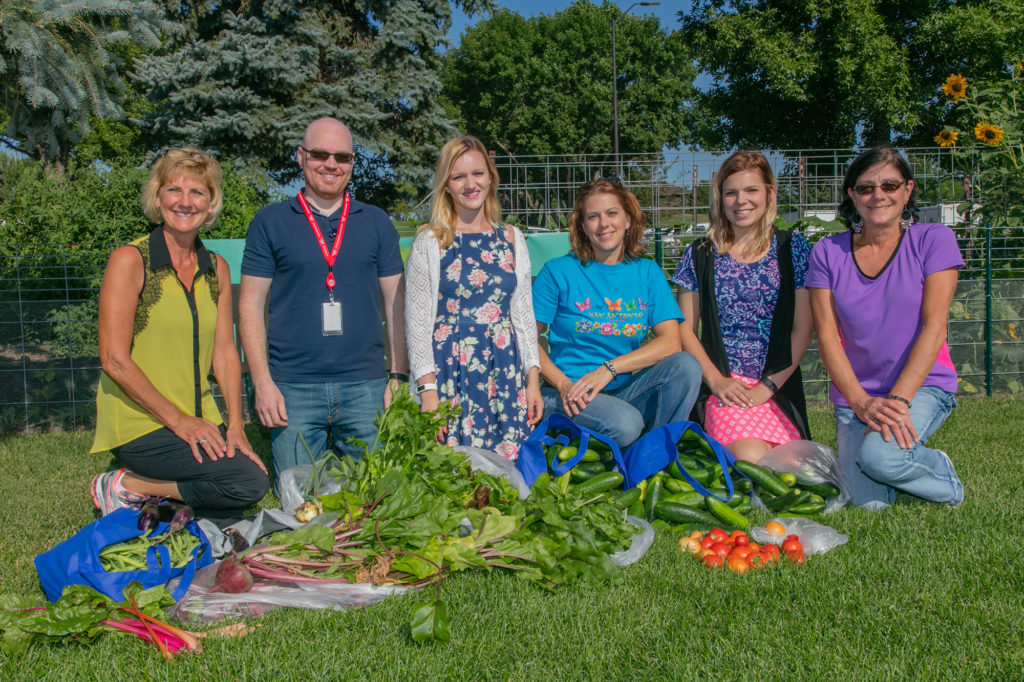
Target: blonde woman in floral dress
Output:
{"points": [[469, 315]]}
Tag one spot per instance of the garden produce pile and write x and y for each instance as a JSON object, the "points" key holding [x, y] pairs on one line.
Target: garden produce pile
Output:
{"points": [[413, 511], [82, 614]]}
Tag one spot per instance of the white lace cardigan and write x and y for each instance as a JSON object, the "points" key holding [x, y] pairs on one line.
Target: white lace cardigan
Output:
{"points": [[422, 284]]}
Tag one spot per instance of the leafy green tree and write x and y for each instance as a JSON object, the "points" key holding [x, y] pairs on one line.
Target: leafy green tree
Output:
{"points": [[832, 73], [59, 69], [247, 76], [543, 85]]}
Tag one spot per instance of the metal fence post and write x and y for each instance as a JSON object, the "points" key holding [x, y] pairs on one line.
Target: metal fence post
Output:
{"points": [[988, 310]]}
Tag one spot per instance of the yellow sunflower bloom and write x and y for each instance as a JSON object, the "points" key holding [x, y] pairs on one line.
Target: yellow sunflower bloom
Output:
{"points": [[988, 133], [955, 86], [1018, 68], [947, 138]]}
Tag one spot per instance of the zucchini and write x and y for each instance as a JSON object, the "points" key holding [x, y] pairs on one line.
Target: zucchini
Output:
{"points": [[676, 513], [727, 514], [600, 483], [761, 477], [655, 491]]}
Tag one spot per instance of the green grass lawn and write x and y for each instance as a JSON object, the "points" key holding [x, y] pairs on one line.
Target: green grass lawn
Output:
{"points": [[920, 592]]}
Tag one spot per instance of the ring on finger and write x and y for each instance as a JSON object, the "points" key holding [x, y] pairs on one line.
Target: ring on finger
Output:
{"points": [[201, 442]]}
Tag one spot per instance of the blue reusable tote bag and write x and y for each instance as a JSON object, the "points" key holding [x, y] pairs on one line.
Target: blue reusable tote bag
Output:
{"points": [[532, 461], [656, 449], [76, 561]]}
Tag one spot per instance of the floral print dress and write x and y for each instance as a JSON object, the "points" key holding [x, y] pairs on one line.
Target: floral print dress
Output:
{"points": [[475, 350]]}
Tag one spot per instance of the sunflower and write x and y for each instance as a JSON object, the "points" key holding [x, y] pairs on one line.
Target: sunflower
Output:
{"points": [[988, 133], [947, 138], [955, 86], [1018, 68]]}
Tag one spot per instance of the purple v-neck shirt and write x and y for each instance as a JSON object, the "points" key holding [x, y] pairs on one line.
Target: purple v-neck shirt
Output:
{"points": [[880, 317]]}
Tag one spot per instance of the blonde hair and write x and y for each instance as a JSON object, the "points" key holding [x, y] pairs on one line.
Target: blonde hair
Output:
{"points": [[442, 208], [187, 161], [720, 232], [632, 242]]}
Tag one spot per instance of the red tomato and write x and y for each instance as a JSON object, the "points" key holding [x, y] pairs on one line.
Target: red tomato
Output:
{"points": [[792, 545], [754, 546], [793, 537], [771, 552], [712, 561], [707, 542], [743, 551], [741, 540], [718, 534], [738, 565], [756, 559], [721, 549], [795, 557]]}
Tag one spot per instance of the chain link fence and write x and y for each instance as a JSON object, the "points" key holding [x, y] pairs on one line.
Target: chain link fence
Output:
{"points": [[49, 365]]}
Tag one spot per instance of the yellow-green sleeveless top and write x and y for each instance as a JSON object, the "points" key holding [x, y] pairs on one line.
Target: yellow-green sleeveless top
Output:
{"points": [[172, 344]]}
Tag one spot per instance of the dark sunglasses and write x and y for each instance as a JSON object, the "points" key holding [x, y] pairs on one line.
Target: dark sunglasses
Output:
{"points": [[887, 187], [321, 155]]}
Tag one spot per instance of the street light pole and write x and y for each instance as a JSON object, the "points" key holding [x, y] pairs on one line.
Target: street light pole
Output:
{"points": [[615, 80]]}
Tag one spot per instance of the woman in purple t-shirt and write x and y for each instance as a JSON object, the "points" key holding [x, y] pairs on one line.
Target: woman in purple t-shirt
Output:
{"points": [[880, 296]]}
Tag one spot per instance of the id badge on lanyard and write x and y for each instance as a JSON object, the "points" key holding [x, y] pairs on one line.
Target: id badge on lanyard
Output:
{"points": [[330, 311]]}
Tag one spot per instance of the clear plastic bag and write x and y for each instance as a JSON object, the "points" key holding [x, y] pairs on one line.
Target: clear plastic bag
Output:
{"points": [[496, 465], [291, 486], [812, 463], [816, 538], [642, 542], [198, 607]]}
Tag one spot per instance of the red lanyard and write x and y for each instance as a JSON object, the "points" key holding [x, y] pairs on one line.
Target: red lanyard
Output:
{"points": [[333, 255]]}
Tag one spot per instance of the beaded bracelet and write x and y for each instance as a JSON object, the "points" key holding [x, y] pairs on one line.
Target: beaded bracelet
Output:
{"points": [[893, 396]]}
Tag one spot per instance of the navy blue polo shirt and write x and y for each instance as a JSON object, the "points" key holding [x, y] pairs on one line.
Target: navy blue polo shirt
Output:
{"points": [[280, 245]]}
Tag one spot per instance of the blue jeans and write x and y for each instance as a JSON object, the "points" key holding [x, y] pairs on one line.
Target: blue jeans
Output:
{"points": [[875, 470], [661, 394], [346, 409]]}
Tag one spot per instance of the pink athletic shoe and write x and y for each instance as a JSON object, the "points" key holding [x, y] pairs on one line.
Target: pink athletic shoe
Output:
{"points": [[108, 494]]}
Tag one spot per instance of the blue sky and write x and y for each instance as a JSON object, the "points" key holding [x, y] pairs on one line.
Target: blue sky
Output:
{"points": [[667, 12]]}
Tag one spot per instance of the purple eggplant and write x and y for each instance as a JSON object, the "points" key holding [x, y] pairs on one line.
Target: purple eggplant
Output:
{"points": [[149, 514], [181, 518]]}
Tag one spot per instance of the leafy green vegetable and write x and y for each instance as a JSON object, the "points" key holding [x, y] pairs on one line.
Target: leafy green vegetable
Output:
{"points": [[430, 623]]}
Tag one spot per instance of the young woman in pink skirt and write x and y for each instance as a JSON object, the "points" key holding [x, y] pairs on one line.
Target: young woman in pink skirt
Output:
{"points": [[744, 283]]}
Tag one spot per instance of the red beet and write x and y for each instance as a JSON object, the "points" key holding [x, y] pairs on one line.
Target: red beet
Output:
{"points": [[232, 576]]}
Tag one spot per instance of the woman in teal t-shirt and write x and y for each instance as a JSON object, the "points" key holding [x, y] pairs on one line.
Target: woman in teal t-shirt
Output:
{"points": [[598, 305]]}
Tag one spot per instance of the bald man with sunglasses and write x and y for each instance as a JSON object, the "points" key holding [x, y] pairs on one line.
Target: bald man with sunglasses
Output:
{"points": [[326, 263]]}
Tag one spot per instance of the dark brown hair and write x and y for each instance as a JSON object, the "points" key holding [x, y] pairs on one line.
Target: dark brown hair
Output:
{"points": [[632, 242]]}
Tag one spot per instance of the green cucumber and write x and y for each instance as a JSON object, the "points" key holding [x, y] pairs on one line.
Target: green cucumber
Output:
{"points": [[655, 491], [674, 485], [761, 477], [580, 474], [745, 506], [636, 509], [628, 497], [600, 483], [783, 502], [826, 490], [691, 498], [727, 514], [676, 513], [807, 508], [742, 485], [688, 463]]}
